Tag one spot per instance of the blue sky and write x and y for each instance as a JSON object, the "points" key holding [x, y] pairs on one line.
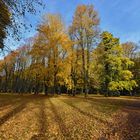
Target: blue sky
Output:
{"points": [[120, 17]]}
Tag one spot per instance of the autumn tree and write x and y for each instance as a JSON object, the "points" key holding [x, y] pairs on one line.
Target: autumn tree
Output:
{"points": [[73, 60], [21, 64], [54, 44], [7, 71], [13, 69], [136, 71], [85, 31], [37, 70], [75, 65], [131, 50]]}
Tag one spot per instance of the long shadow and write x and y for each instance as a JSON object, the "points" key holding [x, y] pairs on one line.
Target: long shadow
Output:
{"points": [[7, 102], [85, 113], [93, 100], [117, 102], [4, 104], [43, 124], [110, 126], [111, 129], [12, 113], [131, 129], [60, 122], [22, 101], [4, 107]]}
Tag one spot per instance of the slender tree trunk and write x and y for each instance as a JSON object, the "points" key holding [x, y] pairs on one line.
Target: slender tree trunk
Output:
{"points": [[87, 71], [54, 81], [46, 90], [84, 71]]}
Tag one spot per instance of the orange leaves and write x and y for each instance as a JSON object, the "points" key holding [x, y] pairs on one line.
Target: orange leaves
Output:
{"points": [[85, 17], [50, 51]]}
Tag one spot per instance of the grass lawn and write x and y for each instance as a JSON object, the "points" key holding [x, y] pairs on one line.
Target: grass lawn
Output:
{"points": [[30, 117]]}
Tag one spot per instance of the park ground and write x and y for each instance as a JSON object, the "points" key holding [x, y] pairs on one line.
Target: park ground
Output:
{"points": [[31, 117]]}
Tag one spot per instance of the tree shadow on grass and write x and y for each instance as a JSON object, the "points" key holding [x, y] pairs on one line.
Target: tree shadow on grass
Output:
{"points": [[21, 103], [43, 132], [65, 132], [9, 101], [131, 128], [89, 115], [127, 128], [43, 123], [12, 113], [84, 113], [116, 101]]}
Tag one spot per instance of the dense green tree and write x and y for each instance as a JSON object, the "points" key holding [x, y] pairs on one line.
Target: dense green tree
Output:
{"points": [[114, 65]]}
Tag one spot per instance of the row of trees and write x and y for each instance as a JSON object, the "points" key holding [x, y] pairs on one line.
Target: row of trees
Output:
{"points": [[80, 59]]}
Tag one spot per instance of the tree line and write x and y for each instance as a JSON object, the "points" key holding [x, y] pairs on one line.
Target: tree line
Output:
{"points": [[77, 59]]}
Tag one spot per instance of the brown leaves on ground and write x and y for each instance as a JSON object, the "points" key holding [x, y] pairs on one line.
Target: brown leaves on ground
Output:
{"points": [[68, 118]]}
